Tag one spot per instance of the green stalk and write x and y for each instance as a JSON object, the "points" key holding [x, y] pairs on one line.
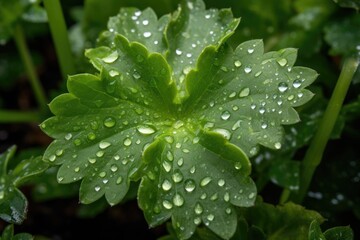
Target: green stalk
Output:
{"points": [[29, 66], [60, 37], [9, 116], [315, 152]]}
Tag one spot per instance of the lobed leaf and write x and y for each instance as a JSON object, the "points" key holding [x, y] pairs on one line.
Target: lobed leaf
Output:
{"points": [[174, 107]]}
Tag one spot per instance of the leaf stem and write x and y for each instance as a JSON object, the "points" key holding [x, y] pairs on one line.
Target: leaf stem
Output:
{"points": [[60, 37], [316, 149], [10, 116], [29, 66]]}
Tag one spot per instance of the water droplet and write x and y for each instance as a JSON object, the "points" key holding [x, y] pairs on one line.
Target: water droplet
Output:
{"points": [[102, 174], [113, 73], [282, 87], [169, 139], [228, 210], [114, 168], [145, 22], [178, 200], [196, 140], [258, 73], [136, 75], [192, 169], [297, 83], [237, 165], [205, 181], [111, 58], [103, 145], [264, 125], [68, 136], [167, 204], [225, 115], [198, 209], [119, 180], [236, 125], [169, 156], [91, 136], [52, 158], [214, 197], [210, 217], [282, 62], [178, 52], [197, 221], [221, 182], [262, 110], [177, 177], [251, 195], [226, 197], [189, 55], [100, 153], [180, 162], [77, 169], [109, 122], [94, 125], [97, 188], [237, 63], [277, 145], [92, 160], [167, 166], [127, 142], [290, 97], [250, 50], [77, 142], [166, 185], [190, 185], [247, 70], [244, 92], [147, 34]]}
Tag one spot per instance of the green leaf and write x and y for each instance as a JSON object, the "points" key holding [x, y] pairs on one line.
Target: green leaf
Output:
{"points": [[339, 233], [286, 174], [288, 221], [349, 3], [8, 234], [13, 203], [315, 232], [181, 115]]}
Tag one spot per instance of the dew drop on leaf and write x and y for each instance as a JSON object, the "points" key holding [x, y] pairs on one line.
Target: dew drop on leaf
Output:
{"points": [[244, 92], [180, 162], [297, 83], [109, 122], [92, 160], [100, 153], [102, 174], [226, 197], [167, 166], [228, 210], [205, 181], [68, 136], [250, 50], [178, 200], [119, 180], [77, 142], [210, 217], [111, 58], [91, 136], [225, 115], [237, 63], [177, 177], [224, 132], [247, 70], [97, 188], [197, 221], [167, 204], [136, 75], [282, 62], [147, 34], [166, 185], [262, 110], [251, 195], [192, 169], [237, 165], [190, 185], [114, 168], [282, 87], [178, 52], [127, 142], [77, 169], [198, 209], [277, 145], [52, 158], [104, 145], [145, 130], [113, 73], [221, 182], [264, 125]]}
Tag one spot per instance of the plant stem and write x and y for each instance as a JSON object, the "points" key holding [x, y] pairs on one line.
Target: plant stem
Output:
{"points": [[60, 37], [9, 116], [29, 66], [316, 149]]}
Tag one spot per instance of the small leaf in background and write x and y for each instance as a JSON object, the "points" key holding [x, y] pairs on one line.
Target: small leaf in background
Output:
{"points": [[13, 204], [349, 3], [157, 112], [288, 221], [8, 234], [336, 233]]}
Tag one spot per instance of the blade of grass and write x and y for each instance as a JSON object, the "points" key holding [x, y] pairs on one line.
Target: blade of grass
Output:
{"points": [[60, 37], [315, 152], [29, 67]]}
